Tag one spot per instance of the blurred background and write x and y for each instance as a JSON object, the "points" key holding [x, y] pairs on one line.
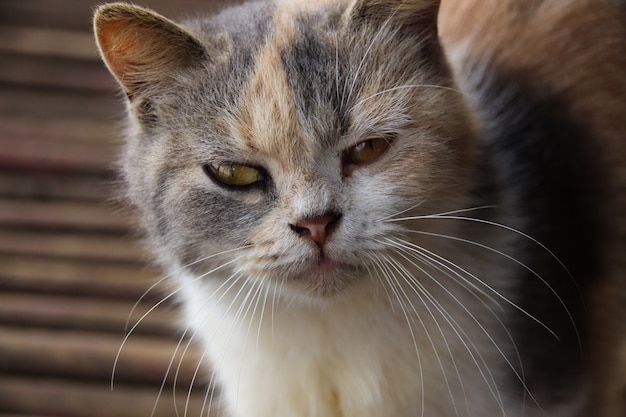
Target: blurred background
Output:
{"points": [[70, 267]]}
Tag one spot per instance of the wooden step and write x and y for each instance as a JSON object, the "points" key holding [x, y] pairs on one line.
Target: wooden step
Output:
{"points": [[37, 275], [66, 129], [23, 415], [51, 215], [70, 246], [69, 14], [43, 186], [59, 73], [64, 14], [60, 398], [48, 42], [91, 314], [48, 104], [58, 156], [92, 356]]}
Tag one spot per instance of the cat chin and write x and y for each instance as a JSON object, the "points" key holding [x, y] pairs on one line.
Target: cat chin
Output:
{"points": [[322, 282]]}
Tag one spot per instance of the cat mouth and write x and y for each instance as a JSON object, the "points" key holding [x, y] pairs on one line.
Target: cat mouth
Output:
{"points": [[317, 276]]}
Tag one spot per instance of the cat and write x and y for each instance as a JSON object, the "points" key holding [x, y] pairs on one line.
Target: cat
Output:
{"points": [[386, 208]]}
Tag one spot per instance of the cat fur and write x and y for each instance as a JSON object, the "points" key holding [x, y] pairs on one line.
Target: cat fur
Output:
{"points": [[506, 128]]}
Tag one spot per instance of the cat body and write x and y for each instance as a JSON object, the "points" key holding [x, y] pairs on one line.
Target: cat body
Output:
{"points": [[351, 234]]}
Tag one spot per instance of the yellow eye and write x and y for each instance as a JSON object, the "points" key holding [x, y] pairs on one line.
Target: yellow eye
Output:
{"points": [[367, 151], [236, 175]]}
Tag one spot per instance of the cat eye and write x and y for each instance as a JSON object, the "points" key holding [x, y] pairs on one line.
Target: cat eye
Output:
{"points": [[235, 175], [366, 151]]}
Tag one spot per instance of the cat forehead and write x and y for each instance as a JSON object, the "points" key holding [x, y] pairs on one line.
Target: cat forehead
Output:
{"points": [[301, 80], [286, 105], [296, 82]]}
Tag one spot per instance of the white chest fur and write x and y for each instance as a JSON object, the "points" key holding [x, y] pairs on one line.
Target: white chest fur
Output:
{"points": [[359, 356]]}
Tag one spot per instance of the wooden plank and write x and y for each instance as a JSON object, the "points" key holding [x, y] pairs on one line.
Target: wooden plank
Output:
{"points": [[36, 155], [47, 104], [77, 15], [44, 186], [49, 42], [91, 314], [40, 71], [76, 277], [63, 215], [91, 356], [47, 13], [55, 397], [69, 246], [23, 415], [66, 129]]}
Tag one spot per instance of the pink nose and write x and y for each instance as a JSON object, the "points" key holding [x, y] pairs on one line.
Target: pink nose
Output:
{"points": [[317, 228]]}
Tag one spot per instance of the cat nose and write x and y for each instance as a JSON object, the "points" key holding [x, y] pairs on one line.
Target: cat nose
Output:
{"points": [[317, 228]]}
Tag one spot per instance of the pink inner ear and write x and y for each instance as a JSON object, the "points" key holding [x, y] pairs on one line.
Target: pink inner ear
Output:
{"points": [[141, 48], [119, 44]]}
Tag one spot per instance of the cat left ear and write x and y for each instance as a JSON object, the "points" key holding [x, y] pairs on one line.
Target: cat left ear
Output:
{"points": [[416, 14], [141, 47]]}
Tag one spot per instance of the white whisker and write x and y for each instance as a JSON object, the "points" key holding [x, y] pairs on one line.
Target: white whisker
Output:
{"points": [[375, 39], [387, 275], [410, 250], [173, 273], [160, 302], [511, 258], [454, 325], [420, 291], [355, 108], [448, 267], [495, 224]]}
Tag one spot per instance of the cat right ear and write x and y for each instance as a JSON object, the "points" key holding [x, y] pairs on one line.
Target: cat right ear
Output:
{"points": [[141, 47]]}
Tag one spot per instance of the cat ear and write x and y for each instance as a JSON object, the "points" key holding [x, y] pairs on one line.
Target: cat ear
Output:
{"points": [[141, 47], [416, 14]]}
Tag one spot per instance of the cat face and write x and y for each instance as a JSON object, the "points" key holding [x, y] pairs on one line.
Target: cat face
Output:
{"points": [[284, 146]]}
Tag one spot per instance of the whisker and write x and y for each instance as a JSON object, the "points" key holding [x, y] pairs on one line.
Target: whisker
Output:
{"points": [[402, 87], [176, 375], [495, 224], [167, 372], [261, 316], [208, 400], [256, 299], [519, 376], [511, 258], [418, 290], [448, 265], [387, 275], [400, 212], [429, 258], [240, 315], [454, 325], [380, 33], [168, 276], [338, 96], [163, 300]]}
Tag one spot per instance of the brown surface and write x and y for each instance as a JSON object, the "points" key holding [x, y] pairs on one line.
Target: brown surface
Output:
{"points": [[70, 270]]}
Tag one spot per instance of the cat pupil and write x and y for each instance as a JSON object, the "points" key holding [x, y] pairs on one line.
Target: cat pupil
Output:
{"points": [[234, 175], [367, 151]]}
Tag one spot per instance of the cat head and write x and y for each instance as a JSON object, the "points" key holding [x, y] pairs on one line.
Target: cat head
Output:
{"points": [[277, 140]]}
